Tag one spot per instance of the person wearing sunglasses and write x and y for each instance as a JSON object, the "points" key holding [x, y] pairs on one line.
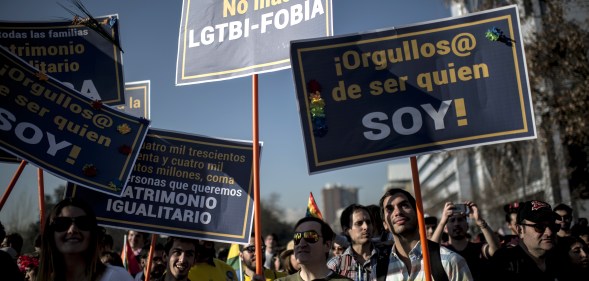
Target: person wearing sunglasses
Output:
{"points": [[247, 255], [405, 261], [312, 243], [564, 218], [70, 248], [529, 260]]}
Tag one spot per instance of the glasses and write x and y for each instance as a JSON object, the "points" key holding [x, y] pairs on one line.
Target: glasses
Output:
{"points": [[563, 218], [252, 249], [541, 227], [310, 236], [61, 224]]}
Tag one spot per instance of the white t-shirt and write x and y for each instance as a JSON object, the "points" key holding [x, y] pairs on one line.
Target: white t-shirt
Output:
{"points": [[115, 273]]}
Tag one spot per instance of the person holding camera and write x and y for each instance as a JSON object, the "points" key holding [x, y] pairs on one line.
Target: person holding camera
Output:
{"points": [[454, 222]]}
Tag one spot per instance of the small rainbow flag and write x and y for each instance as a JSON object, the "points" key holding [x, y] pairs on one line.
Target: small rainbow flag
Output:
{"points": [[312, 209]]}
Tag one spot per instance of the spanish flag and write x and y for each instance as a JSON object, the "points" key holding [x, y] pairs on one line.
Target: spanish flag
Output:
{"points": [[234, 261], [312, 209]]}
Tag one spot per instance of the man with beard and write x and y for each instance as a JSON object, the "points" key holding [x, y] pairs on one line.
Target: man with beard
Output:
{"points": [[529, 260], [158, 264], [207, 267], [358, 259], [180, 258], [405, 262], [248, 260], [455, 223]]}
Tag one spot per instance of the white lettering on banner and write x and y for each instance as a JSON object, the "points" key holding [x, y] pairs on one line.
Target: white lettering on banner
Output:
{"points": [[380, 130], [29, 133], [234, 30]]}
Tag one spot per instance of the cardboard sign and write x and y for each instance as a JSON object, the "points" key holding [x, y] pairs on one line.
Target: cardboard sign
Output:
{"points": [[441, 85], [137, 99]]}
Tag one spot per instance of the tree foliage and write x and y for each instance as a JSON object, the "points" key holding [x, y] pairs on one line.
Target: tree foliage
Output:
{"points": [[558, 68]]}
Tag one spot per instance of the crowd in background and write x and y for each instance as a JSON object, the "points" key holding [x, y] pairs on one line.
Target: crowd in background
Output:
{"points": [[377, 242]]}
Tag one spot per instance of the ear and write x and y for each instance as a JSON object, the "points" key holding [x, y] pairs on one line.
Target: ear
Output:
{"points": [[520, 229]]}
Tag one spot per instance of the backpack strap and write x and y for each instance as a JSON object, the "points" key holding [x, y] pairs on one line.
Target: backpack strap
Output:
{"points": [[435, 259], [382, 262]]}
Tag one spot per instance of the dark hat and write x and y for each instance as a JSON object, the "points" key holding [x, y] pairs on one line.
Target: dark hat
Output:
{"points": [[536, 211], [431, 220]]}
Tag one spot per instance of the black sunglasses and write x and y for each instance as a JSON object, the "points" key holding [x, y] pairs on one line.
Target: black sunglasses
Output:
{"points": [[311, 236], [61, 224], [252, 249], [541, 227]]}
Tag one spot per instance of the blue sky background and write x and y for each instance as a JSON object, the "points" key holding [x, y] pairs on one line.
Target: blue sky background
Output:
{"points": [[149, 37]]}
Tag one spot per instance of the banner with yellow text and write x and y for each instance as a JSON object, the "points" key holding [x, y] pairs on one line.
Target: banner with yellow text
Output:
{"points": [[440, 85], [183, 185], [63, 132]]}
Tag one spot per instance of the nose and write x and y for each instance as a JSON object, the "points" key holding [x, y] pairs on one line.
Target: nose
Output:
{"points": [[72, 228]]}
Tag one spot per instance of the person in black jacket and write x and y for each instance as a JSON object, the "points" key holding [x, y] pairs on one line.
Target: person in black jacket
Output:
{"points": [[529, 260]]}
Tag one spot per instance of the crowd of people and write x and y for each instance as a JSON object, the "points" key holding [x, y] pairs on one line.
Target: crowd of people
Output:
{"points": [[378, 242]]}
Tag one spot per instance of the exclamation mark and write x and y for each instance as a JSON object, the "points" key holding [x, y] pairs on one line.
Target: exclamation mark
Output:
{"points": [[73, 154], [460, 112]]}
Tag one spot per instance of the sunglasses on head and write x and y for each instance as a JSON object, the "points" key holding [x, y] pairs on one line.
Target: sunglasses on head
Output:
{"points": [[541, 227], [310, 236], [252, 249], [61, 224]]}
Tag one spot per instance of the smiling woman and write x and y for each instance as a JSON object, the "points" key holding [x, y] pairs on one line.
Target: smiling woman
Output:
{"points": [[70, 246]]}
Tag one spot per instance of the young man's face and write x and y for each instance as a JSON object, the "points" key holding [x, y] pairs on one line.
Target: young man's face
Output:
{"points": [[248, 255], [564, 219], [399, 216], [135, 239], [308, 250], [181, 259], [457, 226], [361, 229]]}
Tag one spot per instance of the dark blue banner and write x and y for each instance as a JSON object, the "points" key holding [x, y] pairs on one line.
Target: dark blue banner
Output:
{"points": [[183, 185], [137, 97], [71, 136], [418, 89], [72, 53], [234, 38]]}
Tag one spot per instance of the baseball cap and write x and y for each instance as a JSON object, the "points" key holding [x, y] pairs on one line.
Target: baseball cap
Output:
{"points": [[536, 211]]}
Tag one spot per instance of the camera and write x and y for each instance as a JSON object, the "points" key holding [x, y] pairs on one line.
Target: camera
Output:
{"points": [[461, 208]]}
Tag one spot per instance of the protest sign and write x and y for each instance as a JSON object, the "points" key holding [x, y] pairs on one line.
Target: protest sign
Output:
{"points": [[183, 185], [234, 38], [405, 91], [7, 157], [72, 53], [59, 130], [137, 95]]}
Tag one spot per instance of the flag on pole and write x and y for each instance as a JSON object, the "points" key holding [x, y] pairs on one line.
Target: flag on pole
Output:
{"points": [[234, 261], [312, 209], [129, 260]]}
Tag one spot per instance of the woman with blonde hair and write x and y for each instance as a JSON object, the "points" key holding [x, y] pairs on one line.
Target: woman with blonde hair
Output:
{"points": [[70, 248]]}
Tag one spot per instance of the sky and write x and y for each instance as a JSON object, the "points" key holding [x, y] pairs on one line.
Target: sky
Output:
{"points": [[149, 38]]}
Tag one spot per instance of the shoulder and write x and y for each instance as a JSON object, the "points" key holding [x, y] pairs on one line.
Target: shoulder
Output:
{"points": [[334, 261], [115, 273], [293, 277], [269, 273], [227, 270]]}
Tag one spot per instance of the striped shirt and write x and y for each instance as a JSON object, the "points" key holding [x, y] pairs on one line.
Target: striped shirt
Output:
{"points": [[454, 265], [347, 265]]}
